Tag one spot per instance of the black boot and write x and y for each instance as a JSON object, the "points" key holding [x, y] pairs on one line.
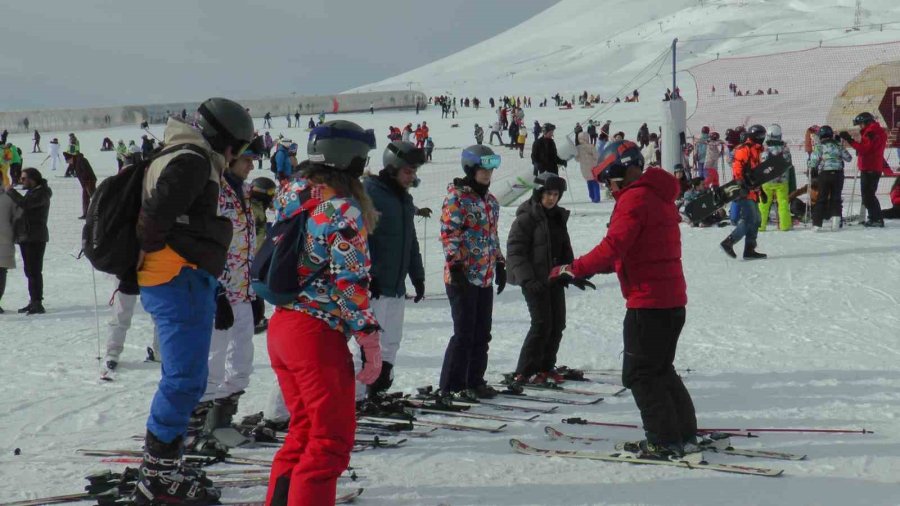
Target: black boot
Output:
{"points": [[25, 309], [198, 440], [384, 381], [750, 252], [36, 308], [728, 247], [161, 480]]}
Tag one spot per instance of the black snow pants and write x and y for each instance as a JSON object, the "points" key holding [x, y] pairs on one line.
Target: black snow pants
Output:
{"points": [[831, 184], [548, 320], [466, 358], [868, 183], [667, 411]]}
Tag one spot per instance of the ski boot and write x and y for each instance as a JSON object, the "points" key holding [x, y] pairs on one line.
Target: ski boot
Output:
{"points": [[644, 449], [161, 479], [750, 252], [197, 440], [728, 247], [483, 391], [867, 224], [218, 421], [383, 383]]}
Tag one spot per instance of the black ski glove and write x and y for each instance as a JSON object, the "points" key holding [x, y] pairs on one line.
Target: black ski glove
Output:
{"points": [[458, 275], [582, 283], [419, 285], [500, 277], [846, 136], [374, 289], [224, 314], [258, 305], [424, 212]]}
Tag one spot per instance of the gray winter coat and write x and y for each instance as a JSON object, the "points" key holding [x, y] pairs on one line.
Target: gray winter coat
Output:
{"points": [[393, 246], [9, 211], [528, 254]]}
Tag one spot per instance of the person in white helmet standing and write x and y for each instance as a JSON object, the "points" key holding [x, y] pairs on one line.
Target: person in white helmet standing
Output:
{"points": [[779, 189]]}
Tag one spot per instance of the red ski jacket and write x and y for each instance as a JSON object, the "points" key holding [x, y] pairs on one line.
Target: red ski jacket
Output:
{"points": [[643, 244], [895, 196], [870, 148]]}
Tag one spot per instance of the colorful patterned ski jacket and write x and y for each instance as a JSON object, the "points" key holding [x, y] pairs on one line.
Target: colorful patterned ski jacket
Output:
{"points": [[335, 235], [828, 156], [469, 233], [236, 276]]}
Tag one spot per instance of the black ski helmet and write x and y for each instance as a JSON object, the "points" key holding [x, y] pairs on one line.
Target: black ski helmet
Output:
{"points": [[224, 123], [714, 136], [263, 190], [549, 181], [757, 133], [863, 119], [825, 132], [478, 156], [399, 154], [341, 144], [617, 156]]}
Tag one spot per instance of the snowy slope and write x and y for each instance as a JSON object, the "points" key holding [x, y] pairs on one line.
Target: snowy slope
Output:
{"points": [[806, 338]]}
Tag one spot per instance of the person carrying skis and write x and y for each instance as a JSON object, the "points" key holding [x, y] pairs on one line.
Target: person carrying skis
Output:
{"points": [[778, 188], [826, 166], [307, 338], [473, 261], [544, 157], [643, 247], [746, 158], [538, 241], [184, 246], [394, 251], [870, 160]]}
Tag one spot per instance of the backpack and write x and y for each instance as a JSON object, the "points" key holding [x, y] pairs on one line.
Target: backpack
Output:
{"points": [[109, 237], [272, 165], [273, 273]]}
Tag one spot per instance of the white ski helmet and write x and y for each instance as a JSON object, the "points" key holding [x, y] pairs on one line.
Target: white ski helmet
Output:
{"points": [[774, 133]]}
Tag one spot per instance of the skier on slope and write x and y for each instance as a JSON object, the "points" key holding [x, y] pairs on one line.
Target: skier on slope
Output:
{"points": [[538, 241], [394, 251], [643, 247], [184, 245], [230, 360], [826, 166], [307, 338], [473, 261], [779, 188], [870, 160], [746, 158]]}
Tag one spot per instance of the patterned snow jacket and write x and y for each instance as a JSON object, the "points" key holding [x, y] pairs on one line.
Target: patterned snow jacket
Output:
{"points": [[335, 235], [236, 207], [469, 232], [828, 156]]}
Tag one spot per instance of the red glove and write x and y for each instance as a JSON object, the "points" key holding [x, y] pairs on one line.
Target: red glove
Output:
{"points": [[370, 343]]}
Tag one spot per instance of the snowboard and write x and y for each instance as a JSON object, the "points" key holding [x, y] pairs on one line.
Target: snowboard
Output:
{"points": [[513, 190], [714, 199]]}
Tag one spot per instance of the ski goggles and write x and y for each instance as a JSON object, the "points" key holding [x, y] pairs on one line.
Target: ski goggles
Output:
{"points": [[413, 157], [330, 132], [488, 162]]}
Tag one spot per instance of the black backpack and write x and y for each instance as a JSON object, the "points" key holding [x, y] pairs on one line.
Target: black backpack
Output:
{"points": [[109, 237]]}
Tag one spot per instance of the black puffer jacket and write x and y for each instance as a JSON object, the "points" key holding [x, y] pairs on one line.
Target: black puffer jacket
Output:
{"points": [[538, 241], [544, 156], [181, 203], [32, 224]]}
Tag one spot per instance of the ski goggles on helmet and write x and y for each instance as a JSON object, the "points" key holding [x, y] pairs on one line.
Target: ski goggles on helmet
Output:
{"points": [[413, 157], [488, 162]]}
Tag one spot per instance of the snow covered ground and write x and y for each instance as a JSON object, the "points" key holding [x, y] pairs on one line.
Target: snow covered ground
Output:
{"points": [[805, 338]]}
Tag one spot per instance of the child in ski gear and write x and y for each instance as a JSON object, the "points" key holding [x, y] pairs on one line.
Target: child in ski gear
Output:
{"points": [[746, 158], [307, 338], [587, 159], [643, 247], [473, 261], [31, 233], [184, 246], [538, 241], [870, 160], [394, 250], [826, 166], [779, 188]]}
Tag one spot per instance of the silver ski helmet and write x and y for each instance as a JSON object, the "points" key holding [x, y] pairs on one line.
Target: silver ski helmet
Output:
{"points": [[477, 157], [340, 144], [400, 154], [224, 123], [774, 132]]}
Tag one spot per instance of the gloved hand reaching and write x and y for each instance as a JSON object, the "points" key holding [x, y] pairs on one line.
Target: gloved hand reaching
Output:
{"points": [[374, 289], [582, 283], [224, 314], [561, 274], [846, 136], [370, 343]]}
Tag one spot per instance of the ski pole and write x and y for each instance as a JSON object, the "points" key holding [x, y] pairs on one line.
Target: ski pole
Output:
{"points": [[852, 197], [742, 432]]}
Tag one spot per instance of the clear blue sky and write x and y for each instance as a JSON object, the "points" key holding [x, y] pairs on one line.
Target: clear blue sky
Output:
{"points": [[78, 53]]}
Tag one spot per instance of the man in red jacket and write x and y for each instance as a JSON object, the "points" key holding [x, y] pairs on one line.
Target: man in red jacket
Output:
{"points": [[870, 160], [643, 247]]}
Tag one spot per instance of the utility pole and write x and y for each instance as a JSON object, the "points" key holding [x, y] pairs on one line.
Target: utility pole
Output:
{"points": [[857, 21]]}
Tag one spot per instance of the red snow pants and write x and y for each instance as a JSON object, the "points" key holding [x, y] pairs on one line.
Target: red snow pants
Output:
{"points": [[315, 372]]}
